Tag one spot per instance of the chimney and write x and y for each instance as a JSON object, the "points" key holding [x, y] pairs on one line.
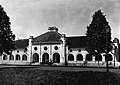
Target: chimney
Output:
{"points": [[53, 29]]}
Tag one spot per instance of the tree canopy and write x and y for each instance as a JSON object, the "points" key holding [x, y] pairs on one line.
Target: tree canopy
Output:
{"points": [[6, 36], [98, 34]]}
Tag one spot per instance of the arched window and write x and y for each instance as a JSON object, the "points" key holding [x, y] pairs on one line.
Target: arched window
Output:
{"points": [[45, 58], [4, 57], [24, 57], [98, 57], [56, 58], [79, 57], [71, 57], [88, 57], [35, 57], [17, 57], [11, 57]]}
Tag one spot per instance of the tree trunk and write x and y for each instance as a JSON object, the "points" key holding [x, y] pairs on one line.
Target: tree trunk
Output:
{"points": [[107, 66], [98, 64]]}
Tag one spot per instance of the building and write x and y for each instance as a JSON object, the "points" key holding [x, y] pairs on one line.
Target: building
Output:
{"points": [[56, 49]]}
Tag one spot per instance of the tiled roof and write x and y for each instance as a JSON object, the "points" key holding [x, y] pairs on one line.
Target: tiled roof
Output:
{"points": [[22, 43], [77, 41], [48, 37]]}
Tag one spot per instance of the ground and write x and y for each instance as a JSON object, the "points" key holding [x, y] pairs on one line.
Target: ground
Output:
{"points": [[58, 76]]}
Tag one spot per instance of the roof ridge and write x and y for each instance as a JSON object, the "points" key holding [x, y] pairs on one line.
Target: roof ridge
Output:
{"points": [[76, 36]]}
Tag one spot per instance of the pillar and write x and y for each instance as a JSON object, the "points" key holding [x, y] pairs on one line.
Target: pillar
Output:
{"points": [[30, 48]]}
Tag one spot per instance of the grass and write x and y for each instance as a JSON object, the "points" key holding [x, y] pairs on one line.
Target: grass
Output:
{"points": [[31, 76]]}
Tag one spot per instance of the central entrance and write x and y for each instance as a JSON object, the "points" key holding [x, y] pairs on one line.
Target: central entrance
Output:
{"points": [[56, 58], [45, 58]]}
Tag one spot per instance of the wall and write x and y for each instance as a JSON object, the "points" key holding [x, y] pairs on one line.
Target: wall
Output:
{"points": [[14, 53], [50, 50]]}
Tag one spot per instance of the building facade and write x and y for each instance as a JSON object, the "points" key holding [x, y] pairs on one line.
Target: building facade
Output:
{"points": [[56, 49]]}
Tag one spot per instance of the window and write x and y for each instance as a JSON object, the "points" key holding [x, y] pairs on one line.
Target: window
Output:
{"points": [[17, 51], [79, 50], [35, 57], [56, 58], [4, 57], [45, 48], [56, 47], [25, 50], [71, 57], [88, 57], [79, 57], [35, 48], [45, 58], [24, 57], [70, 50], [11, 57], [17, 57]]}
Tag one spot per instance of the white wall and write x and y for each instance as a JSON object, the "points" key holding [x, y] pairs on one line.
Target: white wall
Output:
{"points": [[14, 53], [50, 50]]}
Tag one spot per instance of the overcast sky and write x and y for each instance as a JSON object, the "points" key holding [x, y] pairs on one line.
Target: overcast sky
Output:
{"points": [[33, 17]]}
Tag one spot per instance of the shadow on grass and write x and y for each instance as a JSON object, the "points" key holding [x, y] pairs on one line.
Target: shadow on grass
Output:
{"points": [[29, 76]]}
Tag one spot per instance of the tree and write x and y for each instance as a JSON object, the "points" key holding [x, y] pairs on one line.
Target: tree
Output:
{"points": [[98, 35], [6, 36]]}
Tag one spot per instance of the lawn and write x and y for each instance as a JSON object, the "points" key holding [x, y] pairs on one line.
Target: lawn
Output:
{"points": [[31, 76]]}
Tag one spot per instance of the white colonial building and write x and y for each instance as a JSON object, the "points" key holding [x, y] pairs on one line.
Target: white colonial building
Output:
{"points": [[56, 49]]}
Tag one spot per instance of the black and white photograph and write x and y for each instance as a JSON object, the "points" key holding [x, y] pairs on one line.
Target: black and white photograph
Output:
{"points": [[59, 42]]}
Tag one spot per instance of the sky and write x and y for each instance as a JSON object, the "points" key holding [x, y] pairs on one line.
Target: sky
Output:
{"points": [[33, 17]]}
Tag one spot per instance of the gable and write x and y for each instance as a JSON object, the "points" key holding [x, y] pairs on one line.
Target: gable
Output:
{"points": [[48, 37]]}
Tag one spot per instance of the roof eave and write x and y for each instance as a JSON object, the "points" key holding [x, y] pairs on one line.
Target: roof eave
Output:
{"points": [[49, 42]]}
